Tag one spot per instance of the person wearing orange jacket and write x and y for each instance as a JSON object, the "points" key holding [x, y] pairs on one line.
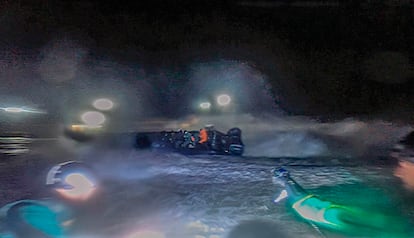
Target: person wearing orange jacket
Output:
{"points": [[203, 136]]}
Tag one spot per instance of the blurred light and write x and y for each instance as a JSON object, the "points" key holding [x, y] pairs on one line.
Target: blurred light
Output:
{"points": [[93, 118], [20, 109], [81, 187], [103, 104], [80, 127], [223, 100], [205, 105], [13, 109]]}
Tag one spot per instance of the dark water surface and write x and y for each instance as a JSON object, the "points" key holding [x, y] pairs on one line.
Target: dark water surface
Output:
{"points": [[150, 194]]}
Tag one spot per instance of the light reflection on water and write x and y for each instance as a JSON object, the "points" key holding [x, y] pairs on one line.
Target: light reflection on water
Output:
{"points": [[214, 194], [14, 144]]}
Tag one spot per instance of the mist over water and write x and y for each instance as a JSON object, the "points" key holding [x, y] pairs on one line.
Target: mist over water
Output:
{"points": [[166, 97], [269, 135], [65, 76]]}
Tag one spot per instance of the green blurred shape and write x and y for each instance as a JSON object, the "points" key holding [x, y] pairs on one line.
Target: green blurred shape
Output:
{"points": [[352, 221], [42, 218]]}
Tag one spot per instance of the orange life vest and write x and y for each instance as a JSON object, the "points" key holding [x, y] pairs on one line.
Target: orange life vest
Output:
{"points": [[203, 136]]}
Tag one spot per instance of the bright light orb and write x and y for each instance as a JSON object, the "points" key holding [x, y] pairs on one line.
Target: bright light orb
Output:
{"points": [[103, 104], [93, 118], [223, 100], [81, 188], [205, 105]]}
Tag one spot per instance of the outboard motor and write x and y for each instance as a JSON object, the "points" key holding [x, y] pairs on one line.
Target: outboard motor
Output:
{"points": [[234, 141], [215, 140]]}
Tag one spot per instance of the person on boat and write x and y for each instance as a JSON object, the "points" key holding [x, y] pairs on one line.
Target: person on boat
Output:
{"points": [[189, 140], [71, 184], [341, 218], [203, 136]]}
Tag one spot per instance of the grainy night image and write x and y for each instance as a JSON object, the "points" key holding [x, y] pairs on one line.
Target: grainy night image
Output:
{"points": [[206, 119]]}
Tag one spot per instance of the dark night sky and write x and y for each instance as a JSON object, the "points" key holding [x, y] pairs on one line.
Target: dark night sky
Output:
{"points": [[350, 58]]}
